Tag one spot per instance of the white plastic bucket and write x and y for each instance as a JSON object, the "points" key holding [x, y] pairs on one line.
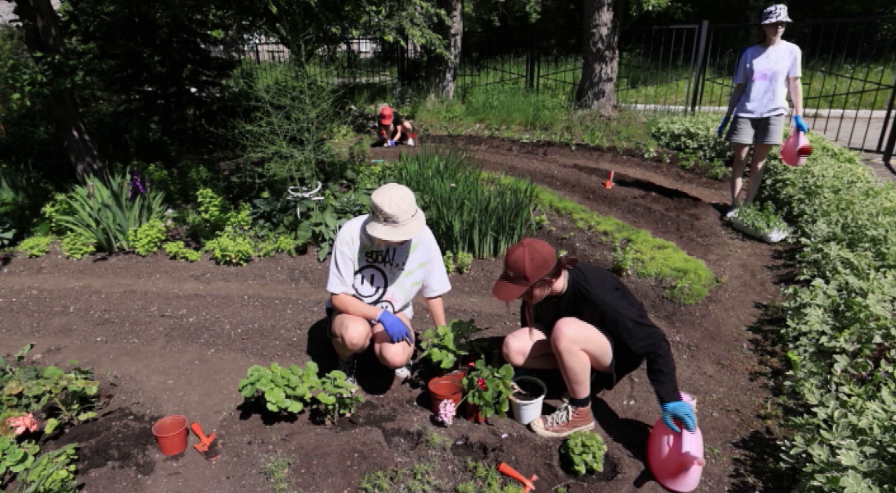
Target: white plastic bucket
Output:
{"points": [[526, 411]]}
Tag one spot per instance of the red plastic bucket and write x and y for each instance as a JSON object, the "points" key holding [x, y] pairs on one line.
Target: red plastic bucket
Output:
{"points": [[171, 434]]}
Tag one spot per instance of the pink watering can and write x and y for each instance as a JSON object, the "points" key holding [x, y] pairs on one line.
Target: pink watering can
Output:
{"points": [[796, 149], [676, 459]]}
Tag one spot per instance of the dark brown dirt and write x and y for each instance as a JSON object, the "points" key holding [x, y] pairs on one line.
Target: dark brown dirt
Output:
{"points": [[175, 338]]}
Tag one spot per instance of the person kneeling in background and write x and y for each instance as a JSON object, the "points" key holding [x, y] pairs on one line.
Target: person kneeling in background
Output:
{"points": [[393, 128]]}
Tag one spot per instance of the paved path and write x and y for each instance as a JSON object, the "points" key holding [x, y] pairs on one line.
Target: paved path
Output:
{"points": [[857, 133]]}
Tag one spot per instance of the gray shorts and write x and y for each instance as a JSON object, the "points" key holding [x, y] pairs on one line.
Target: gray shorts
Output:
{"points": [[765, 130]]}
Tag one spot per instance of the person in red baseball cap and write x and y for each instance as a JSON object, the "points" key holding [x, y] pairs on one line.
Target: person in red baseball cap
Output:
{"points": [[393, 128], [581, 319]]}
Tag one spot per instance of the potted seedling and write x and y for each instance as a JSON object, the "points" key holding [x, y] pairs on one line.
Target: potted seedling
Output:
{"points": [[760, 222], [487, 390], [445, 348]]}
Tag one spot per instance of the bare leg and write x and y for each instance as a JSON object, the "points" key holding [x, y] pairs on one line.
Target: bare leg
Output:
{"points": [[760, 152], [392, 355], [579, 347], [737, 170], [529, 348], [351, 335]]}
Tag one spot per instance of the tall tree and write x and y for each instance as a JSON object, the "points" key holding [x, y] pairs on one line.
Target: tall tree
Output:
{"points": [[453, 34], [46, 44], [600, 49]]}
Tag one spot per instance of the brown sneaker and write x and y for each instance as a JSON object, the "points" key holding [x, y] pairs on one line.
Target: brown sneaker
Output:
{"points": [[564, 421]]}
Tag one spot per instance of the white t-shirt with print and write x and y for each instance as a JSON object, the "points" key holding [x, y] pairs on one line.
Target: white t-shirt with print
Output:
{"points": [[765, 72], [386, 276]]}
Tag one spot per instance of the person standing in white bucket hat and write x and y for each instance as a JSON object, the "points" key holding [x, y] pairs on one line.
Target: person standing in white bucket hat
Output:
{"points": [[380, 262], [766, 72]]}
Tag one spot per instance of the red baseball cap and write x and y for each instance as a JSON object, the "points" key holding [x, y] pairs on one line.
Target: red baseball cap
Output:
{"points": [[525, 263], [385, 115]]}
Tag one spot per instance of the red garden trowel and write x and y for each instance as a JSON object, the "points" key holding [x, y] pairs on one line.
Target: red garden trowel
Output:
{"points": [[208, 446], [609, 182], [528, 483]]}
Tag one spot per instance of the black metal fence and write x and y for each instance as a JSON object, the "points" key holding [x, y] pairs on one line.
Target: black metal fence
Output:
{"points": [[849, 69]]}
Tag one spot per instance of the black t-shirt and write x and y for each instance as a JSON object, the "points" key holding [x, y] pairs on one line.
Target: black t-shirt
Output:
{"points": [[595, 296]]}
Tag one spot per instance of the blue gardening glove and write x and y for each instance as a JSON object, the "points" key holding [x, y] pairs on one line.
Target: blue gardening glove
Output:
{"points": [[800, 124], [391, 143], [394, 327], [722, 124], [681, 411]]}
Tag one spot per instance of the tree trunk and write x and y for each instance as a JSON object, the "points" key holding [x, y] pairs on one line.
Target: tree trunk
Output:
{"points": [[43, 36], [600, 57], [454, 35]]}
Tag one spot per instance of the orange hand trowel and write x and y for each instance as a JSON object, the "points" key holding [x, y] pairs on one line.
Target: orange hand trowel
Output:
{"points": [[208, 446]]}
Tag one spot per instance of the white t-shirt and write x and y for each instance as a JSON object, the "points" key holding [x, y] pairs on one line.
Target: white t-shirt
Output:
{"points": [[386, 276], [765, 72]]}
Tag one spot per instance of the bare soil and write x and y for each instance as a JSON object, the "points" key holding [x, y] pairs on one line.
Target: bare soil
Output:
{"points": [[175, 338]]}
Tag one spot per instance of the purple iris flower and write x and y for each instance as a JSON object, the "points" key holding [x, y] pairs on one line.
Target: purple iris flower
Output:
{"points": [[136, 185]]}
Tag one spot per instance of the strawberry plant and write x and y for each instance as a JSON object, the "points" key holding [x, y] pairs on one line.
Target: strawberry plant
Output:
{"points": [[583, 452], [444, 346], [283, 390], [335, 396]]}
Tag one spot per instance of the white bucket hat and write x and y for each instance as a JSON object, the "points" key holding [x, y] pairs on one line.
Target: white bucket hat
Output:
{"points": [[394, 215], [774, 14]]}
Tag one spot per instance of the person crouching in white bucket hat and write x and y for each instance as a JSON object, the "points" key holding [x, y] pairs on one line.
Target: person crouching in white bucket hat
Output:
{"points": [[380, 262], [765, 73]]}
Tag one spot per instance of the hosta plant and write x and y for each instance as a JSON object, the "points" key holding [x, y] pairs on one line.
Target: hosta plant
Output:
{"points": [[583, 452]]}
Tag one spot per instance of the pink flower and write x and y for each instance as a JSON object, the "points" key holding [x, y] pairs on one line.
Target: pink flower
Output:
{"points": [[446, 412], [22, 423]]}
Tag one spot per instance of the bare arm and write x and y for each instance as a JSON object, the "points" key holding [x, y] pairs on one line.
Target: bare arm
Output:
{"points": [[736, 93], [796, 95], [345, 303], [436, 309]]}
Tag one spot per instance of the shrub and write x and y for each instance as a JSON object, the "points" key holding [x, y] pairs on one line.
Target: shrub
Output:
{"points": [[468, 211], [838, 331], [35, 246], [106, 209], [73, 245], [147, 238], [177, 250], [694, 138], [231, 247]]}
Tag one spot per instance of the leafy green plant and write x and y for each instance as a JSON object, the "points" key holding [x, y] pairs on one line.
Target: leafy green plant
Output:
{"points": [[231, 247], [448, 261], [73, 245], [416, 479], [106, 209], [177, 250], [28, 389], [694, 138], [276, 244], [147, 238], [463, 260], [35, 246], [468, 211], [335, 396], [53, 472], [283, 390], [762, 218], [583, 452], [444, 346], [15, 457], [325, 217], [57, 207], [488, 388]]}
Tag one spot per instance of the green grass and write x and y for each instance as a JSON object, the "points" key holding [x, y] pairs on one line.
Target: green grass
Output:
{"points": [[645, 82], [277, 473]]}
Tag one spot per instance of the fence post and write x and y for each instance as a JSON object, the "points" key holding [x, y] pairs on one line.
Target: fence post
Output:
{"points": [[698, 64], [889, 122], [530, 65]]}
